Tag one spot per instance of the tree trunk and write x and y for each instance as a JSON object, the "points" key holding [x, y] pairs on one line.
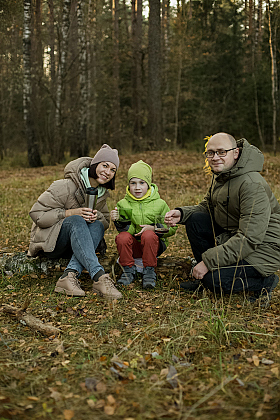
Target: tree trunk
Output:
{"points": [[273, 82], [115, 131], [61, 75], [34, 158], [165, 60], [154, 125], [83, 99], [136, 74], [51, 111]]}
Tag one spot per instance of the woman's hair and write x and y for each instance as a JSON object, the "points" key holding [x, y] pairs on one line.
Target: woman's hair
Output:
{"points": [[92, 174]]}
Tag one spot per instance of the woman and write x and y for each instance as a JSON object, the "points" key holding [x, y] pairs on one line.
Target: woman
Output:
{"points": [[64, 227]]}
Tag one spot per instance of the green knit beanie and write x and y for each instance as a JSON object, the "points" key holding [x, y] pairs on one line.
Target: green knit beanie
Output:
{"points": [[140, 170]]}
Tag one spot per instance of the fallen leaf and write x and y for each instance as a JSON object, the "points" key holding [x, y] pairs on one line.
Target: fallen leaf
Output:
{"points": [[100, 404], [164, 372], [111, 400], [256, 360], [131, 376], [154, 378], [267, 398], [101, 387], [68, 414], [60, 348], [91, 403], [55, 395], [275, 370], [266, 361], [33, 398], [109, 410]]}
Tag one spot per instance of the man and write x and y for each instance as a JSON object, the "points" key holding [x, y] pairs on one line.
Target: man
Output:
{"points": [[235, 231]]}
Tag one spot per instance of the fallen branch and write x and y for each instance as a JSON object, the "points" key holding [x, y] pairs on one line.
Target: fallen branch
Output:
{"points": [[30, 320]]}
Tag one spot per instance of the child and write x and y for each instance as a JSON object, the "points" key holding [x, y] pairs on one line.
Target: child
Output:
{"points": [[137, 239]]}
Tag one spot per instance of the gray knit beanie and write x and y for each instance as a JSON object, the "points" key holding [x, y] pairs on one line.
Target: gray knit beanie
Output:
{"points": [[106, 154]]}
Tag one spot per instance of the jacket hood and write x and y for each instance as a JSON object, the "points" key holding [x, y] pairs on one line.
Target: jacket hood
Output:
{"points": [[250, 159], [73, 170], [154, 195]]}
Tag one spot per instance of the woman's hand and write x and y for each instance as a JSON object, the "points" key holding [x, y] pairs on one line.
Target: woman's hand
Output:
{"points": [[114, 214], [89, 215], [144, 228], [172, 217]]}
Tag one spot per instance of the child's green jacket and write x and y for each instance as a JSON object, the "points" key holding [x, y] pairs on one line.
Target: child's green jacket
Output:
{"points": [[144, 212]]}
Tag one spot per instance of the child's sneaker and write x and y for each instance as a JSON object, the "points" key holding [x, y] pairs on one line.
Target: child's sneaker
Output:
{"points": [[149, 278], [128, 275]]}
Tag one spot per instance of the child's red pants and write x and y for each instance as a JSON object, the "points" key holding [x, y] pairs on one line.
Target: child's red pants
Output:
{"points": [[129, 248]]}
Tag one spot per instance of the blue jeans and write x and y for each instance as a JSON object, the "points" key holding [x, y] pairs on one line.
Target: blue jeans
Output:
{"points": [[78, 240], [235, 278]]}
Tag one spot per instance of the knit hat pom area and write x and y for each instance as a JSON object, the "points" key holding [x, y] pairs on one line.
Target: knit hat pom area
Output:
{"points": [[106, 154], [140, 170]]}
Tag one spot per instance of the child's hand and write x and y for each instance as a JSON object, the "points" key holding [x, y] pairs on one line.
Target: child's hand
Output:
{"points": [[145, 227], [114, 214]]}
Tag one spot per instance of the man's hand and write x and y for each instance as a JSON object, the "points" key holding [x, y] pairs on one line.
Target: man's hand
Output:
{"points": [[145, 227], [86, 213], [172, 217], [200, 270]]}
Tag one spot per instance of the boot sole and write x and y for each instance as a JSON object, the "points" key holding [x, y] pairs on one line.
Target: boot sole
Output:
{"points": [[148, 286], [106, 296], [67, 292]]}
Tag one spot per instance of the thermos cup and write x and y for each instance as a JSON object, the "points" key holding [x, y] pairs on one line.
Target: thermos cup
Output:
{"points": [[91, 197]]}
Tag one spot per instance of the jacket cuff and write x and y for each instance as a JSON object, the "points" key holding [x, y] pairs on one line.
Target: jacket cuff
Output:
{"points": [[181, 211]]}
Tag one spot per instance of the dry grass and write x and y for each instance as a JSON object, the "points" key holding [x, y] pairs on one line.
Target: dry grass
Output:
{"points": [[113, 360]]}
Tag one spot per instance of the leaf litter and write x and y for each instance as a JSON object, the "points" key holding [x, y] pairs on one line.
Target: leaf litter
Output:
{"points": [[158, 354]]}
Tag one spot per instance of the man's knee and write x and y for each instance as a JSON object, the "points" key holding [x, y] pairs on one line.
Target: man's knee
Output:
{"points": [[197, 219]]}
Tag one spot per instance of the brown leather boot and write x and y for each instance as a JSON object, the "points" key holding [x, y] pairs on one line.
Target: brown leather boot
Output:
{"points": [[69, 285]]}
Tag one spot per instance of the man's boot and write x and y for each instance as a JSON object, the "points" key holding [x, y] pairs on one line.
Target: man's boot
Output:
{"points": [[128, 275], [265, 294], [190, 286], [149, 278]]}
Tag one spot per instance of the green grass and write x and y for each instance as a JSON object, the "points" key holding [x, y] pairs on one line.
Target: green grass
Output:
{"points": [[111, 360]]}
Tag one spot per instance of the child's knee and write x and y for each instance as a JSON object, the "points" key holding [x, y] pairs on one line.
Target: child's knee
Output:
{"points": [[123, 238], [149, 235]]}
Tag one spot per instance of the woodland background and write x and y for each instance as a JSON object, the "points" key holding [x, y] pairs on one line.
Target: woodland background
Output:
{"points": [[137, 75]]}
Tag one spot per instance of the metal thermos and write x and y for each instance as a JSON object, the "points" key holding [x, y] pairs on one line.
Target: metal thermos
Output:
{"points": [[91, 197]]}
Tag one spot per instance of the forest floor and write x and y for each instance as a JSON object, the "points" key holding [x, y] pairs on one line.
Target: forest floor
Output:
{"points": [[151, 355]]}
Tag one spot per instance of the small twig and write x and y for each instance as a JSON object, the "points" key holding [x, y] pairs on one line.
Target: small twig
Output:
{"points": [[213, 392], [255, 333]]}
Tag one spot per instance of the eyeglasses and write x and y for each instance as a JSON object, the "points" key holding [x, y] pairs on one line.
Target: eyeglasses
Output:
{"points": [[220, 152]]}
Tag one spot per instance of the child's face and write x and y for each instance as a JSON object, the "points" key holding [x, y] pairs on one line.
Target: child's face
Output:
{"points": [[138, 187]]}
